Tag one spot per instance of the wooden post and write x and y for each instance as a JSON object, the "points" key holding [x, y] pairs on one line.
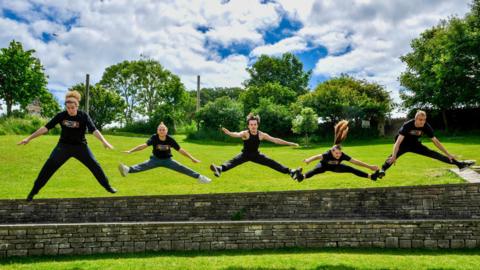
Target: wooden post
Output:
{"points": [[198, 93], [87, 92]]}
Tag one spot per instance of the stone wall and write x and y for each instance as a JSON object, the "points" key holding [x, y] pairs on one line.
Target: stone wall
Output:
{"points": [[93, 238], [454, 201]]}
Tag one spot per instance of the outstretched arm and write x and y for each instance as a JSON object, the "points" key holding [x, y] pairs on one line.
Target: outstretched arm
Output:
{"points": [[440, 146], [233, 134], [100, 137], [35, 134], [312, 158], [265, 136], [137, 148], [363, 164], [396, 146], [185, 153]]}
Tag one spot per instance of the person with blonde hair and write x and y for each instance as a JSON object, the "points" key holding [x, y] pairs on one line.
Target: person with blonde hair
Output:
{"points": [[407, 140], [72, 143], [161, 156], [251, 142], [331, 160]]}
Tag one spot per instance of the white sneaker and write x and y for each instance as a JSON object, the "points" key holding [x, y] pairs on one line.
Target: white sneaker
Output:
{"points": [[204, 180], [123, 169]]}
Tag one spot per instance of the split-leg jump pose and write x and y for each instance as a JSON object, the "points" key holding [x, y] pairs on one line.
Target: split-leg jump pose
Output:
{"points": [[72, 143], [331, 159], [251, 142], [407, 140], [161, 156]]}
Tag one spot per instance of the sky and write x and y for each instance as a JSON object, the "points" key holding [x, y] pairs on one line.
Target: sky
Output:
{"points": [[218, 40]]}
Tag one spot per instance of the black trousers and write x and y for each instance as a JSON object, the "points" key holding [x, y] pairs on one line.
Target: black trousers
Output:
{"points": [[60, 154], [419, 148], [258, 158], [340, 168]]}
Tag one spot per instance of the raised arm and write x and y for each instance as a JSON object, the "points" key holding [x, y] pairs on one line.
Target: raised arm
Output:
{"points": [[396, 146], [186, 154], [312, 158], [100, 137], [440, 146], [265, 136], [363, 164], [233, 134], [35, 134], [137, 148]]}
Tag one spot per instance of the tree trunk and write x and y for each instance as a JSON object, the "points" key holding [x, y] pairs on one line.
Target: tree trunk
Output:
{"points": [[9, 108], [444, 117]]}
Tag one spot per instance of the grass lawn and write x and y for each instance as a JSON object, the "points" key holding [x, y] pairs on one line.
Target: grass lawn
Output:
{"points": [[260, 259], [21, 164]]}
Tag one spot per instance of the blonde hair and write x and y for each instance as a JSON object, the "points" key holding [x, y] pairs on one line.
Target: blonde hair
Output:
{"points": [[162, 124], [251, 117], [341, 131], [73, 94], [420, 113]]}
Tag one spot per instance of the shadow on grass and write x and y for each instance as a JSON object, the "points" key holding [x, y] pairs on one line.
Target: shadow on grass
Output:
{"points": [[282, 251]]}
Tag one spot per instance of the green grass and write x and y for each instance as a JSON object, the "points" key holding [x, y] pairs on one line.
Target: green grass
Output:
{"points": [[21, 164], [261, 259]]}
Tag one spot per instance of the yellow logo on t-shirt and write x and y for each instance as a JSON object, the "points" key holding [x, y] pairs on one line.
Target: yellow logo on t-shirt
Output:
{"points": [[333, 162], [163, 147], [416, 132], [71, 124]]}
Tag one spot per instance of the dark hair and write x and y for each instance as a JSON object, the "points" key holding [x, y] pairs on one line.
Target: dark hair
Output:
{"points": [[251, 117], [341, 131]]}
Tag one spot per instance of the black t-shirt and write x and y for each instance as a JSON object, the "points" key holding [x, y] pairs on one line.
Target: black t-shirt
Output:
{"points": [[73, 127], [328, 159], [161, 149], [412, 133]]}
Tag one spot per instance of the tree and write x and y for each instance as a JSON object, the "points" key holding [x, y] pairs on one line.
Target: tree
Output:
{"points": [[286, 70], [105, 106], [306, 122], [347, 98], [123, 79], [277, 93], [223, 112], [210, 94], [443, 69], [49, 104], [158, 88], [21, 76]]}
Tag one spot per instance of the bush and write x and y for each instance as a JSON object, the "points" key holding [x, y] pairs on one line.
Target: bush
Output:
{"points": [[275, 119], [26, 125], [223, 112]]}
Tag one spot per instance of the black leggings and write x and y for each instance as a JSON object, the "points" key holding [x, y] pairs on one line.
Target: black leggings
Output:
{"points": [[257, 158], [340, 168], [60, 154], [420, 149]]}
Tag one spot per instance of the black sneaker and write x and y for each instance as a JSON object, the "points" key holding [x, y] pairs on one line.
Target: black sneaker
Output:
{"points": [[375, 175], [465, 165], [300, 176], [381, 174], [111, 190], [295, 174], [217, 171]]}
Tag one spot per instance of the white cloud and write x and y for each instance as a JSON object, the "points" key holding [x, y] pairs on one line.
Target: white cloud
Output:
{"points": [[293, 44]]}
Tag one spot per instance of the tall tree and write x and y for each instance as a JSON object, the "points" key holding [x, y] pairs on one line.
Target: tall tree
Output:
{"points": [[21, 76], [443, 68], [277, 94], [286, 70]]}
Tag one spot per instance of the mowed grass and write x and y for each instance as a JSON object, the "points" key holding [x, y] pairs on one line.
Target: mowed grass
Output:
{"points": [[260, 259], [20, 165]]}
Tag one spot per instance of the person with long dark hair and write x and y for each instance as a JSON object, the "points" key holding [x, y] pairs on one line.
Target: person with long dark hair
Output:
{"points": [[331, 160], [72, 143], [407, 140], [251, 142], [162, 143]]}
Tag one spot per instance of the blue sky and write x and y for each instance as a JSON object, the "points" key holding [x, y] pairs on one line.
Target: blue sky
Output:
{"points": [[220, 39]]}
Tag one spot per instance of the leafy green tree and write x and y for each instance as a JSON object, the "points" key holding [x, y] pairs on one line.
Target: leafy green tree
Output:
{"points": [[49, 104], [275, 119], [286, 70], [210, 94], [305, 123], [277, 93], [222, 112], [22, 77]]}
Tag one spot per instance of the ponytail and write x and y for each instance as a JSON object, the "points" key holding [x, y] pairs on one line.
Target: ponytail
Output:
{"points": [[341, 131]]}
